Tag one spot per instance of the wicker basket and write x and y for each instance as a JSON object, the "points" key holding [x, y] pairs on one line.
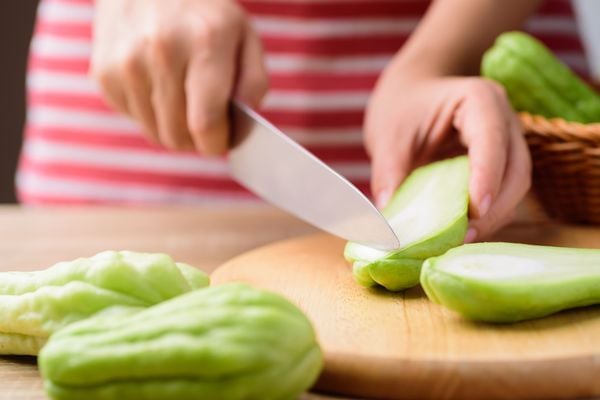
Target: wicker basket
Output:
{"points": [[566, 167]]}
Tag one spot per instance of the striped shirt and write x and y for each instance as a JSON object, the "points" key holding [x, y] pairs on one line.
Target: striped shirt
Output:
{"points": [[323, 59]]}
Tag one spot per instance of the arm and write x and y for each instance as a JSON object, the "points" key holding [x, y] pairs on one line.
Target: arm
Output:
{"points": [[421, 109], [453, 35]]}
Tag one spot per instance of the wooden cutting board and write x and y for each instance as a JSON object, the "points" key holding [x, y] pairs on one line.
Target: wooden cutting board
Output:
{"points": [[402, 346]]}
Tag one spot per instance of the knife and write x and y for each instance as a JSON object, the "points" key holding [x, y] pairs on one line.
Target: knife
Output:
{"points": [[273, 166]]}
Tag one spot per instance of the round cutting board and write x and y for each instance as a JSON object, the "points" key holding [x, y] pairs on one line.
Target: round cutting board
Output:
{"points": [[403, 346]]}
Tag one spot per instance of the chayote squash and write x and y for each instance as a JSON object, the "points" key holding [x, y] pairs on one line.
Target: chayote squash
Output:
{"points": [[537, 82], [33, 305], [224, 342], [428, 213], [505, 282]]}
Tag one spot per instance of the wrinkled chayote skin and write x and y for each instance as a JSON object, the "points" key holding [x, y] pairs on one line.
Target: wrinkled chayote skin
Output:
{"points": [[33, 305], [227, 342], [506, 282], [428, 213]]}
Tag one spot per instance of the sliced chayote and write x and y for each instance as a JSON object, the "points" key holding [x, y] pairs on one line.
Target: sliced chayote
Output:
{"points": [[33, 305], [505, 282], [428, 213], [224, 342]]}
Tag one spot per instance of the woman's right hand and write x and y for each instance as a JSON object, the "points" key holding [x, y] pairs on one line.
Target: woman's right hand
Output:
{"points": [[174, 66]]}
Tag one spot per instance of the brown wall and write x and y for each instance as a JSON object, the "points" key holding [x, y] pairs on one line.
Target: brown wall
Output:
{"points": [[16, 21]]}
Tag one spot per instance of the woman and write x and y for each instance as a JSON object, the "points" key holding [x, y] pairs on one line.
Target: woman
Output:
{"points": [[334, 68]]}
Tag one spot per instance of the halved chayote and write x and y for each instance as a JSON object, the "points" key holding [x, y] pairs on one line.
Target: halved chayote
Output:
{"points": [[428, 213], [506, 282], [228, 342], [33, 305]]}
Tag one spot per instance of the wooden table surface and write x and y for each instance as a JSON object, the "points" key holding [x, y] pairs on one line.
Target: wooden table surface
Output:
{"points": [[202, 236]]}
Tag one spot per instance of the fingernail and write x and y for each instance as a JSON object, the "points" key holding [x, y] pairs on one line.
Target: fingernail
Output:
{"points": [[382, 198], [484, 206], [471, 235]]}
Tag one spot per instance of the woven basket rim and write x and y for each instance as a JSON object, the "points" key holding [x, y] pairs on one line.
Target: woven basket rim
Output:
{"points": [[560, 129]]}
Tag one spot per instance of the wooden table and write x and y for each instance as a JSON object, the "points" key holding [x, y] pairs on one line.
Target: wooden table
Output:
{"points": [[202, 236]]}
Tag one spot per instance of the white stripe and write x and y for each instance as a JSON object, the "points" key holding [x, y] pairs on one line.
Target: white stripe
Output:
{"points": [[35, 185], [573, 59], [292, 63], [58, 117], [40, 80], [53, 11], [324, 28], [326, 137], [126, 159], [46, 45], [552, 24], [322, 101], [587, 12]]}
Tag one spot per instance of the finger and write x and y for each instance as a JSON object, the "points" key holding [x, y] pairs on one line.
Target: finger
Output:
{"points": [[473, 233], [168, 95], [112, 90], [253, 81], [137, 90], [209, 87], [391, 163], [515, 185], [484, 129]]}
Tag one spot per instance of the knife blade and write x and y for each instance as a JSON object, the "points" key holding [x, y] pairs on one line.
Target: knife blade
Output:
{"points": [[273, 166]]}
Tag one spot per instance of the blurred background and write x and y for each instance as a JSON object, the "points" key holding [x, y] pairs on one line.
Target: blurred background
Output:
{"points": [[16, 22]]}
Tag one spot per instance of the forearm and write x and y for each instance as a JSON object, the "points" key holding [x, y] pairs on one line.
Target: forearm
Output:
{"points": [[453, 35]]}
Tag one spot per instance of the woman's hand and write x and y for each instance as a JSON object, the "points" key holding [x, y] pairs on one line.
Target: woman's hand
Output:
{"points": [[411, 122], [174, 66]]}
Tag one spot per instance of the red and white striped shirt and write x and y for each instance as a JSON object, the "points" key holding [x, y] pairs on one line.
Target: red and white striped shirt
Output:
{"points": [[323, 59]]}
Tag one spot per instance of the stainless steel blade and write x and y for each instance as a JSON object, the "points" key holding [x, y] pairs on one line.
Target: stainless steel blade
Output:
{"points": [[276, 168]]}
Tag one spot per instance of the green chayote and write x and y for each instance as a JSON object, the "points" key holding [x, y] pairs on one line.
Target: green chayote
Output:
{"points": [[507, 282], [428, 213], [33, 305], [537, 82], [220, 343]]}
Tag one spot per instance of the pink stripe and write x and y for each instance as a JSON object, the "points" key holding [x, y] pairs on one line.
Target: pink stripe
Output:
{"points": [[337, 9], [120, 175], [79, 66], [73, 30], [555, 7], [92, 138], [561, 42], [68, 100], [315, 119], [334, 46], [99, 139], [324, 82], [281, 118]]}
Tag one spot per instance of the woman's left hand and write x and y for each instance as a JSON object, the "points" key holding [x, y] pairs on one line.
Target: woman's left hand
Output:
{"points": [[412, 121]]}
